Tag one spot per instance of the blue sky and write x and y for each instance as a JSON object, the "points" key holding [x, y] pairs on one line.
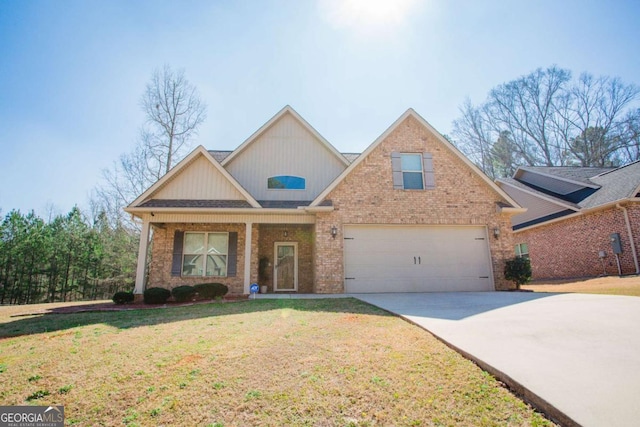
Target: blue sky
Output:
{"points": [[72, 72]]}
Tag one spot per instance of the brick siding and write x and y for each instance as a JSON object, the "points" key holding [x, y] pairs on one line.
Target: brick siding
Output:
{"points": [[569, 248], [162, 257], [366, 196]]}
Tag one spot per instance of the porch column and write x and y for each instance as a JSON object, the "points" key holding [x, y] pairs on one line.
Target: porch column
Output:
{"points": [[142, 258], [247, 257]]}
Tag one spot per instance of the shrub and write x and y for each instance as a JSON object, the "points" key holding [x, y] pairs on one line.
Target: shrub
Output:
{"points": [[518, 270], [122, 297], [156, 295], [183, 293], [211, 290]]}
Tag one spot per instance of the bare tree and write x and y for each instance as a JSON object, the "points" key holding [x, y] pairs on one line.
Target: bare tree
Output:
{"points": [[547, 119], [474, 136], [174, 112], [591, 118]]}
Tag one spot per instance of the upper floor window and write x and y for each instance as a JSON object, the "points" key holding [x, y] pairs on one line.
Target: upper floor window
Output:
{"points": [[412, 171], [286, 182]]}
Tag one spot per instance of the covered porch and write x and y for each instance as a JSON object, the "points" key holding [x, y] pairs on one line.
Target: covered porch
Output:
{"points": [[273, 249]]}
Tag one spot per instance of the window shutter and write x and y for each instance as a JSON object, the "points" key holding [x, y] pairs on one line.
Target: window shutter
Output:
{"points": [[232, 257], [429, 177], [396, 168], [178, 240]]}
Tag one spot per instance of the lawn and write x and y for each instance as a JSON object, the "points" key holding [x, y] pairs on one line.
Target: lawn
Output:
{"points": [[328, 362], [610, 285]]}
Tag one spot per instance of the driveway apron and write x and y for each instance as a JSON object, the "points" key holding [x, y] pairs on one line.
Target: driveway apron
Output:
{"points": [[574, 356]]}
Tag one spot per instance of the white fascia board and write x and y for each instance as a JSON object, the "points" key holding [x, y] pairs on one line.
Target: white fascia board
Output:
{"points": [[316, 209], [259, 211]]}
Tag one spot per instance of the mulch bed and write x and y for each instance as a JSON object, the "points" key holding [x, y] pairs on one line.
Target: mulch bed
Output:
{"points": [[110, 306]]}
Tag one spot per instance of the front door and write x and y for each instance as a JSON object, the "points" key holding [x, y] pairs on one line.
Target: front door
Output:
{"points": [[285, 269]]}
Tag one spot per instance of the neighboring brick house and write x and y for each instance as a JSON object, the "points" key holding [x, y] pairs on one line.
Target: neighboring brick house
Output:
{"points": [[290, 212], [573, 213]]}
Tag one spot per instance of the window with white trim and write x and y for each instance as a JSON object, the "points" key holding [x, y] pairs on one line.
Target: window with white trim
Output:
{"points": [[522, 250], [412, 177], [205, 254]]}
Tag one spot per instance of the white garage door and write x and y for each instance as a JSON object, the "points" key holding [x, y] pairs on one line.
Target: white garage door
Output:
{"points": [[416, 259]]}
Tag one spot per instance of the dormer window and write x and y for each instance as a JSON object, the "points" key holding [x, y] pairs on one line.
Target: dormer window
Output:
{"points": [[286, 182]]}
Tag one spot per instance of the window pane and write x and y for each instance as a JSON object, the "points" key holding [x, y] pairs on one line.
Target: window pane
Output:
{"points": [[193, 243], [192, 265], [524, 249], [412, 180], [518, 250], [217, 243], [412, 162], [286, 182], [216, 265]]}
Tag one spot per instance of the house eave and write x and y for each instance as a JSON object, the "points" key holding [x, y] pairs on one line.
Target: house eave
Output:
{"points": [[266, 211], [583, 211], [317, 209]]}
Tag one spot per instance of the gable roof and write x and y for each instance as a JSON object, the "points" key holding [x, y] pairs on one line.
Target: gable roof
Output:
{"points": [[142, 200], [286, 110], [411, 113]]}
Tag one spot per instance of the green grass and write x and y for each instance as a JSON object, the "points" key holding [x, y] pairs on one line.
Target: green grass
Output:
{"points": [[334, 362]]}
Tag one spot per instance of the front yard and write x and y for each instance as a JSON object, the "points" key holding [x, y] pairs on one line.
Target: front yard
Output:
{"points": [[331, 362]]}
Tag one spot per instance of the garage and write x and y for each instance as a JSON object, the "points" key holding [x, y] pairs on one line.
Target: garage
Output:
{"points": [[399, 258]]}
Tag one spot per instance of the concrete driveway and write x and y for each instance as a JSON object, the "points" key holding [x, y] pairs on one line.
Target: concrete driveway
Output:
{"points": [[574, 356]]}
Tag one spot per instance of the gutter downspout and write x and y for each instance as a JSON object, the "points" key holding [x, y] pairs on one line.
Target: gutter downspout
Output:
{"points": [[633, 245]]}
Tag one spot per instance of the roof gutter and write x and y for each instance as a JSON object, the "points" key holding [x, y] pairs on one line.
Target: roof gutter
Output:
{"points": [[631, 242], [316, 209], [138, 211]]}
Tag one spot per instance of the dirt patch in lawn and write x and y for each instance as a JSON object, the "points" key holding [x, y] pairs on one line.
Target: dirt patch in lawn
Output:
{"points": [[610, 285]]}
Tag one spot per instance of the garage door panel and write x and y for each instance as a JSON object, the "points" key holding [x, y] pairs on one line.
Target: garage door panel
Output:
{"points": [[416, 259]]}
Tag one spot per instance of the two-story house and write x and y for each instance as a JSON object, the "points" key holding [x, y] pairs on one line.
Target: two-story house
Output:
{"points": [[288, 211]]}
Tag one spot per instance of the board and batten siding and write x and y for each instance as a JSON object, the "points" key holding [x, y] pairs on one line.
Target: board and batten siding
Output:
{"points": [[199, 181], [286, 148], [536, 207]]}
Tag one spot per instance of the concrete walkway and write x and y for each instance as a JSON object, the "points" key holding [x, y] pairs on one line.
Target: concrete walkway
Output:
{"points": [[574, 356]]}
